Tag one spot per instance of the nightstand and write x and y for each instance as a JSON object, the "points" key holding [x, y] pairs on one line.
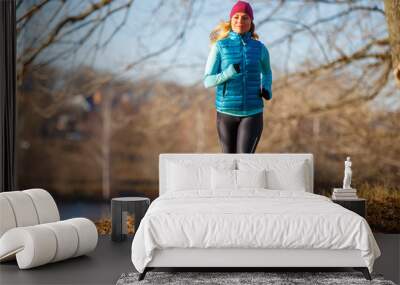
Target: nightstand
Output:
{"points": [[120, 207], [357, 205]]}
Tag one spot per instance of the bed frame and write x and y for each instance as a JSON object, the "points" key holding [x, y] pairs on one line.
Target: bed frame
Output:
{"points": [[249, 257]]}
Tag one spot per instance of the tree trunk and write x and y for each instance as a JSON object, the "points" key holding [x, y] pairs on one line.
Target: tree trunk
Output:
{"points": [[392, 11], [106, 145]]}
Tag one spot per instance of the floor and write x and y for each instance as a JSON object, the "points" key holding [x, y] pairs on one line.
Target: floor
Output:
{"points": [[110, 259], [103, 266], [388, 263]]}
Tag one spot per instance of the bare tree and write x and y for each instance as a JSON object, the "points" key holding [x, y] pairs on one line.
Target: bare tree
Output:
{"points": [[365, 56], [111, 120], [317, 104], [50, 30], [60, 28], [392, 10]]}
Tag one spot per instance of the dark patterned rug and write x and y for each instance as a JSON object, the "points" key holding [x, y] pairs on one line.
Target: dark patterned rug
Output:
{"points": [[229, 278]]}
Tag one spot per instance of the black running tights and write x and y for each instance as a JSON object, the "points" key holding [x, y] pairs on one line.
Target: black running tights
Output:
{"points": [[239, 134]]}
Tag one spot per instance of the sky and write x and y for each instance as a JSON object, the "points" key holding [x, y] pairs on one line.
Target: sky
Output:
{"points": [[145, 31], [187, 60]]}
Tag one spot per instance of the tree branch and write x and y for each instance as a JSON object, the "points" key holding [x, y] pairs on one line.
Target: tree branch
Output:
{"points": [[378, 86], [68, 20]]}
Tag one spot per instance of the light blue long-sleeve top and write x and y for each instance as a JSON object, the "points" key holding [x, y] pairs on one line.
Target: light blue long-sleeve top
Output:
{"points": [[213, 76]]}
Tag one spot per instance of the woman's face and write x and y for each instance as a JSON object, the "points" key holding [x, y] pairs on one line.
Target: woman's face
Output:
{"points": [[241, 23]]}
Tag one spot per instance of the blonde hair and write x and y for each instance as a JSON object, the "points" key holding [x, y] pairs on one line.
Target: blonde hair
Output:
{"points": [[222, 30]]}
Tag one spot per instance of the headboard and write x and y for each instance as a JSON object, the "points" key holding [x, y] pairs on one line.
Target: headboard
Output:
{"points": [[163, 157]]}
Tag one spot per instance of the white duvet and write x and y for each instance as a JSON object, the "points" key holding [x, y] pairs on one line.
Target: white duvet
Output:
{"points": [[251, 218]]}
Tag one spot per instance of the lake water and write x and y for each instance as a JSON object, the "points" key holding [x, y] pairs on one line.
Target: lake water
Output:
{"points": [[91, 210]]}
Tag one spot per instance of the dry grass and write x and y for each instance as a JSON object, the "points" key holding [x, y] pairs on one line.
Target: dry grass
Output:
{"points": [[383, 207], [104, 225]]}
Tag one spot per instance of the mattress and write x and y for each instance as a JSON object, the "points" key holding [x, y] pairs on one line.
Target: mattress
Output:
{"points": [[250, 218]]}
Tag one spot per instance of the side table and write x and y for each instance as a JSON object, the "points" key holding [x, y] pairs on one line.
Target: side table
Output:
{"points": [[120, 207], [357, 205]]}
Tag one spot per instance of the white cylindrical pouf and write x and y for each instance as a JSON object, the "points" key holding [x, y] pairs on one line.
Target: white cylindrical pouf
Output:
{"points": [[7, 218], [23, 208], [31, 232], [67, 239], [35, 245], [45, 205], [87, 234]]}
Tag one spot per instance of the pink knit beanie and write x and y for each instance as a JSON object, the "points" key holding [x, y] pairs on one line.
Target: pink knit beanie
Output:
{"points": [[242, 6]]}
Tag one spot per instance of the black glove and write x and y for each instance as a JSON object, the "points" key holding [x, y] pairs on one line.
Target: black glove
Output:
{"points": [[265, 94], [237, 67]]}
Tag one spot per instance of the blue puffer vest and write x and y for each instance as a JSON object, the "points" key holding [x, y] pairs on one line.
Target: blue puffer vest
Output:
{"points": [[242, 91]]}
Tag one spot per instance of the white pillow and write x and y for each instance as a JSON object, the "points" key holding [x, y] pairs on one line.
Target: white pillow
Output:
{"points": [[282, 174], [251, 178], [223, 179], [189, 174], [226, 179]]}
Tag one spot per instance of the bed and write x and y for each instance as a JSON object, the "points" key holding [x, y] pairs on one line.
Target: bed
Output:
{"points": [[247, 210]]}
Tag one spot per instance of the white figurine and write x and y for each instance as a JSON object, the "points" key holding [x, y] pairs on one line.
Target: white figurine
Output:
{"points": [[347, 174]]}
